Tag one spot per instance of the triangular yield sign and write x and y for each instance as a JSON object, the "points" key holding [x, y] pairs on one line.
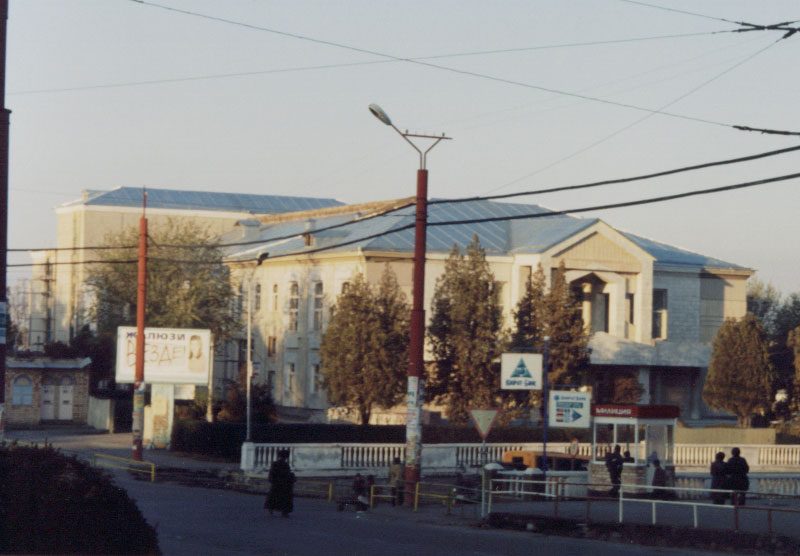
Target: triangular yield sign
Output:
{"points": [[484, 419]]}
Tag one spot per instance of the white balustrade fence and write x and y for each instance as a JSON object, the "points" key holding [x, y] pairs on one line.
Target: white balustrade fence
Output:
{"points": [[357, 456]]}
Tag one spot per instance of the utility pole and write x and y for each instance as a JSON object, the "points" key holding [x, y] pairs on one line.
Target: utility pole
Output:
{"points": [[141, 299], [4, 125]]}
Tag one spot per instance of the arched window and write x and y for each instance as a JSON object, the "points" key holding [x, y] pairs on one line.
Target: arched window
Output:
{"points": [[22, 391], [294, 305]]}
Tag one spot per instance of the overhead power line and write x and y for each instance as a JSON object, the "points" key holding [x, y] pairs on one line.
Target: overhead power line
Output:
{"points": [[437, 66], [189, 78], [378, 214], [305, 252]]}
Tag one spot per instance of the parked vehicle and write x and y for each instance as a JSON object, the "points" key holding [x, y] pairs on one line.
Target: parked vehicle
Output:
{"points": [[525, 459]]}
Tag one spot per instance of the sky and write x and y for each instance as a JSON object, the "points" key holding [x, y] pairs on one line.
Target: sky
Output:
{"points": [[271, 97]]}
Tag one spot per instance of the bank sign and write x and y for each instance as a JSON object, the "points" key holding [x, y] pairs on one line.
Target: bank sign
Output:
{"points": [[569, 409], [521, 371], [171, 355]]}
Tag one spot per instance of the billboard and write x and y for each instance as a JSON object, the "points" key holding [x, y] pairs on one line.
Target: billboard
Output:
{"points": [[171, 355], [521, 371]]}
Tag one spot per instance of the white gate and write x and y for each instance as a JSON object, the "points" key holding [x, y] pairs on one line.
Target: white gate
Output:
{"points": [[65, 390]]}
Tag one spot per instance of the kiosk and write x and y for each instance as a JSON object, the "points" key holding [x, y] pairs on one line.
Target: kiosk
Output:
{"points": [[645, 431]]}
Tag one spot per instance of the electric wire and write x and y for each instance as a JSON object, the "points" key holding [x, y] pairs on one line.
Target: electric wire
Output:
{"points": [[640, 177], [432, 65], [305, 252]]}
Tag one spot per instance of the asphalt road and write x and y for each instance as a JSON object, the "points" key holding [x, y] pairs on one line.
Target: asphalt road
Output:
{"points": [[192, 521]]}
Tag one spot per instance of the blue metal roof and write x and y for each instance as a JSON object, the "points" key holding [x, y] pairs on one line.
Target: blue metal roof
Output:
{"points": [[513, 235], [669, 255], [205, 200]]}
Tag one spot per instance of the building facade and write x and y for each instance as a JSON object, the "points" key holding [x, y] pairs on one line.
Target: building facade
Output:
{"points": [[652, 309]]}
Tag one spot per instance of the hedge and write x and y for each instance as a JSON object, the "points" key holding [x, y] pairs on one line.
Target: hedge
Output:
{"points": [[54, 504], [225, 440]]}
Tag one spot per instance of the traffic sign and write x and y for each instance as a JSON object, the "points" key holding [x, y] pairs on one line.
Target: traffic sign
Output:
{"points": [[484, 420]]}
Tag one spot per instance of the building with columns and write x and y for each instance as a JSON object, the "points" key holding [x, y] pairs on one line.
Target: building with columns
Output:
{"points": [[652, 309]]}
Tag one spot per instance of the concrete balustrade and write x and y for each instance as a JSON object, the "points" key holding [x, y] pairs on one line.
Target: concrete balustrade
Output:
{"points": [[310, 459]]}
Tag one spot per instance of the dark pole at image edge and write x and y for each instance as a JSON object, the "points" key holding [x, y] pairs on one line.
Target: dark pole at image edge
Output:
{"points": [[4, 132]]}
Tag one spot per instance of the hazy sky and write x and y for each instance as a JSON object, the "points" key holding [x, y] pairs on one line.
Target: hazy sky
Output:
{"points": [[263, 96]]}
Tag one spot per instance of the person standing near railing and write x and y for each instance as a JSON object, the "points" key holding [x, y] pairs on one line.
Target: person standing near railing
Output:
{"points": [[718, 479], [614, 465], [736, 469], [396, 474]]}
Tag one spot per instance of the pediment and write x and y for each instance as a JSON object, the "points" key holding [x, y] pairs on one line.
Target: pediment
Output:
{"points": [[597, 250]]}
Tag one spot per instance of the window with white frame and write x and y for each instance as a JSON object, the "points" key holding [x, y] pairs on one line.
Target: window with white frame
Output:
{"points": [[274, 297], [294, 305], [318, 302], [256, 297], [22, 391], [345, 287], [659, 314]]}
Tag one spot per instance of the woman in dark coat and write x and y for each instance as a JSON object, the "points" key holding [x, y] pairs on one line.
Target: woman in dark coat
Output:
{"points": [[736, 469], [281, 491], [718, 481]]}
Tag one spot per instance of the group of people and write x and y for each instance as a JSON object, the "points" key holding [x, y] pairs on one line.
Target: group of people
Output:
{"points": [[729, 475], [280, 497]]}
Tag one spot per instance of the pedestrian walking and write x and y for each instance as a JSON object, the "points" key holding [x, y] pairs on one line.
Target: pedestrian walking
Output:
{"points": [[396, 473], [614, 466], [736, 469], [281, 486], [718, 478]]}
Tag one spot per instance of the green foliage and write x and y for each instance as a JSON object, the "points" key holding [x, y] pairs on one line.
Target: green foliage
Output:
{"points": [[465, 334], [557, 314], [53, 504], [234, 407], [364, 350], [184, 289], [793, 342], [224, 440], [740, 374], [620, 387], [764, 301]]}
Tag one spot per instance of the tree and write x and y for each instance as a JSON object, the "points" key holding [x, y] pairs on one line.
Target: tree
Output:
{"points": [[364, 350], [465, 334], [740, 374], [764, 301], [557, 314], [188, 286], [568, 338], [793, 342]]}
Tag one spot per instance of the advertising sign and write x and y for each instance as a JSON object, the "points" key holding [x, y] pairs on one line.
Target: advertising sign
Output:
{"points": [[570, 409], [171, 355], [521, 371]]}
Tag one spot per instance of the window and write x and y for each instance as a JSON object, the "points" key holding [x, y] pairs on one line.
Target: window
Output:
{"points": [[271, 383], [629, 306], [318, 299], [294, 305], [659, 314], [274, 297], [290, 378], [345, 287], [272, 346], [22, 391], [257, 297], [315, 378]]}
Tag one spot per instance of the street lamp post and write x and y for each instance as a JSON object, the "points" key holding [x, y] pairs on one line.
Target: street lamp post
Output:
{"points": [[417, 332]]}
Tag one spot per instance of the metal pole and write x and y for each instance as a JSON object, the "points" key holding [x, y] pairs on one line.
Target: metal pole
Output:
{"points": [[4, 139], [141, 298], [249, 357], [544, 406], [417, 338]]}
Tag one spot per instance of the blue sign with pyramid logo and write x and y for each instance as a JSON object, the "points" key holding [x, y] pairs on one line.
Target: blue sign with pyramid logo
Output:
{"points": [[521, 371]]}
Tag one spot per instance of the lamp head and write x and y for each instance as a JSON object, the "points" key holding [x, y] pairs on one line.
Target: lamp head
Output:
{"points": [[378, 112]]}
